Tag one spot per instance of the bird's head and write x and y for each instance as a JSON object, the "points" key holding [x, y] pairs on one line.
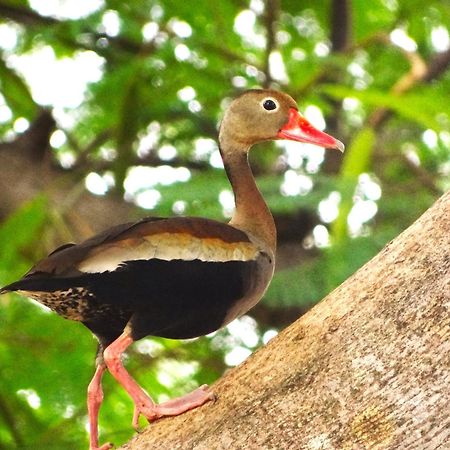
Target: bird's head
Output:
{"points": [[263, 114]]}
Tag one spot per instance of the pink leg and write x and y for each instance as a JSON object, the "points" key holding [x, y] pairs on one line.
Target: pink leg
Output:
{"points": [[143, 403], [95, 398]]}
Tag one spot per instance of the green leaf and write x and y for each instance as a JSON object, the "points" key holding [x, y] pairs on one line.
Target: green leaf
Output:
{"points": [[18, 233], [16, 92], [357, 160], [423, 111]]}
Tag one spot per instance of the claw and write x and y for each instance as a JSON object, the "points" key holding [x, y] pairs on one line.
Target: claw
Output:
{"points": [[143, 403], [173, 407], [106, 446], [135, 421]]}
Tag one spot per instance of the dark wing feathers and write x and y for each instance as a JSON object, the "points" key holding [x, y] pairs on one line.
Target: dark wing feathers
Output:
{"points": [[62, 247]]}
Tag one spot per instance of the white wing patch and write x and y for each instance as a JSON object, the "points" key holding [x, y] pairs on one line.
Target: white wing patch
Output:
{"points": [[166, 246]]}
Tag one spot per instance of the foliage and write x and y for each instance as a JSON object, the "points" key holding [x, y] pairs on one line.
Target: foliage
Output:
{"points": [[375, 74]]}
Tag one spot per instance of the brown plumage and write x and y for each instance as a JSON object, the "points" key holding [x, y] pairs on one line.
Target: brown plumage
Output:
{"points": [[177, 277]]}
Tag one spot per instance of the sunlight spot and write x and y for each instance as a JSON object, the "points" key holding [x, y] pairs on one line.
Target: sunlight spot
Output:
{"points": [[391, 4], [245, 329], [268, 335], [194, 106], [157, 12], [8, 36], [186, 94], [20, 125], [109, 178], [203, 148], [5, 113], [170, 371], [322, 49], [237, 355], [216, 160], [64, 118], [58, 82], [369, 188], [150, 31], [283, 37], [148, 199], [143, 177], [277, 68], [257, 6], [354, 111], [410, 151], [58, 139], [430, 138], [295, 184], [181, 28], [69, 412], [108, 153], [31, 396], [226, 199], [440, 38], [167, 152], [356, 70], [67, 159], [111, 22], [297, 153], [239, 82], [401, 39], [149, 347], [244, 25], [321, 236], [251, 71], [244, 22], [182, 52], [148, 142], [298, 54], [329, 208], [66, 9], [314, 156], [179, 207], [350, 103], [445, 138], [96, 184], [361, 212], [315, 116]]}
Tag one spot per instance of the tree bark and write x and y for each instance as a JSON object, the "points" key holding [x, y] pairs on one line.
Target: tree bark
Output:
{"points": [[367, 368]]}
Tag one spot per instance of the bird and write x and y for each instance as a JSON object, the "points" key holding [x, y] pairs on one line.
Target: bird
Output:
{"points": [[177, 277]]}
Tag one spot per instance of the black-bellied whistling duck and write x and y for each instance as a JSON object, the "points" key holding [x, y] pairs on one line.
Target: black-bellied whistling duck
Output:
{"points": [[176, 278]]}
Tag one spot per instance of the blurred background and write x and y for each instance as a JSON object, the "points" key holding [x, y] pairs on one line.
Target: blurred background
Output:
{"points": [[109, 111]]}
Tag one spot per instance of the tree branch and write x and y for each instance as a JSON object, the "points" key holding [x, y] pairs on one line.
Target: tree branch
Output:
{"points": [[368, 367], [272, 8], [420, 72], [340, 25], [25, 16]]}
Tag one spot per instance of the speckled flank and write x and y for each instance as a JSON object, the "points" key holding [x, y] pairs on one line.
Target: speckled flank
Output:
{"points": [[74, 303]]}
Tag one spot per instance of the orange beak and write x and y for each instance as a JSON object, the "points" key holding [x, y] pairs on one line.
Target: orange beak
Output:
{"points": [[299, 129]]}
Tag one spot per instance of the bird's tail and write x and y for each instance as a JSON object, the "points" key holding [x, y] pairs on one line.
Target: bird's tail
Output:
{"points": [[17, 285], [5, 289], [36, 284]]}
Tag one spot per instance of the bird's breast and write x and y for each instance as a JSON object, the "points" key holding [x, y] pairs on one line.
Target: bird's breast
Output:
{"points": [[260, 278]]}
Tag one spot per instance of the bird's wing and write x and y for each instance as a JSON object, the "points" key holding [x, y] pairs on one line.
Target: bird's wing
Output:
{"points": [[179, 238]]}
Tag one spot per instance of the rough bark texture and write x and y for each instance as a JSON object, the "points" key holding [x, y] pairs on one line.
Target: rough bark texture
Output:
{"points": [[367, 368]]}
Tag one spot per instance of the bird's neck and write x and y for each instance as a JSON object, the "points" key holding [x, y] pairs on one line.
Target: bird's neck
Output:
{"points": [[251, 212]]}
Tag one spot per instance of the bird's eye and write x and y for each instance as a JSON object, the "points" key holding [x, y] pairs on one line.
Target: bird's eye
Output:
{"points": [[269, 104]]}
